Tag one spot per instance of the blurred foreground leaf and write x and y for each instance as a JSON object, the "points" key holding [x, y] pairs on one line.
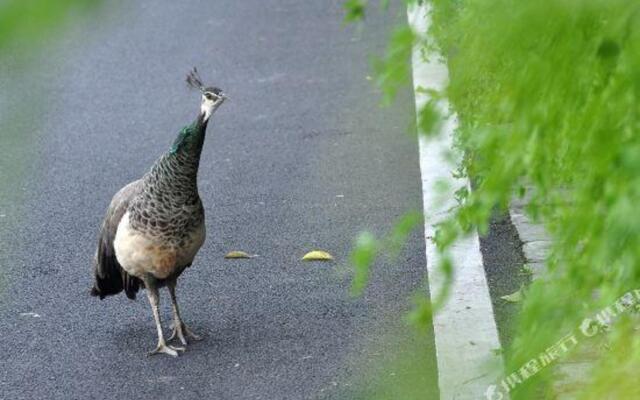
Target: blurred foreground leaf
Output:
{"points": [[354, 10], [362, 256], [27, 22], [394, 69], [429, 119]]}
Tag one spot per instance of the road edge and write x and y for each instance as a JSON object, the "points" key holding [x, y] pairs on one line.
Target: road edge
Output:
{"points": [[466, 337]]}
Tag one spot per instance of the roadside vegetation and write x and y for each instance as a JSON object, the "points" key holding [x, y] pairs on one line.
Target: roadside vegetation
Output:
{"points": [[547, 93], [548, 96], [25, 27], [27, 23]]}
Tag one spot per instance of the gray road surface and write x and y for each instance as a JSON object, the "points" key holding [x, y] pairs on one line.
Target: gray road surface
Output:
{"points": [[302, 157]]}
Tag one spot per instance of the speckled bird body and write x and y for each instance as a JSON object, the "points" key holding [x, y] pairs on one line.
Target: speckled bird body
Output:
{"points": [[163, 228], [155, 226]]}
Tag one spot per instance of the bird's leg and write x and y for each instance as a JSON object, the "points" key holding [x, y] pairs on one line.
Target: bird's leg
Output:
{"points": [[154, 300], [179, 327]]}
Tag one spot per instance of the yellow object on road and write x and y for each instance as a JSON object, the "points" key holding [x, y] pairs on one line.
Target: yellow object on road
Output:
{"points": [[317, 255], [238, 254]]}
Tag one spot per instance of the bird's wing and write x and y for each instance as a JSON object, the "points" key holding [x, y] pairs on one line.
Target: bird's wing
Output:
{"points": [[110, 277], [118, 207]]}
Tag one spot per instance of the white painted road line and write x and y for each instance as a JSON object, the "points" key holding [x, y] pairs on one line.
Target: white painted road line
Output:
{"points": [[466, 337]]}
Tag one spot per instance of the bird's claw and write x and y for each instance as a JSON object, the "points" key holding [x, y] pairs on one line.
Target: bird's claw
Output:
{"points": [[167, 349], [179, 331]]}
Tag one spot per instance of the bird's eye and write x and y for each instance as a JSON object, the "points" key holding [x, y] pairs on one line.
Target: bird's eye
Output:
{"points": [[208, 96]]}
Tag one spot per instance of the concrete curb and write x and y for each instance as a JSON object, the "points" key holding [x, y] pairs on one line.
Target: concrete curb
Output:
{"points": [[465, 331], [570, 373]]}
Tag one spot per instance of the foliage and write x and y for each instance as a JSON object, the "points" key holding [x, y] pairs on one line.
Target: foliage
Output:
{"points": [[27, 22], [394, 69], [354, 10], [367, 248], [24, 26], [547, 94], [551, 103]]}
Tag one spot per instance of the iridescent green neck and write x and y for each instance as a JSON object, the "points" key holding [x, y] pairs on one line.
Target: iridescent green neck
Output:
{"points": [[176, 171], [191, 138], [182, 138]]}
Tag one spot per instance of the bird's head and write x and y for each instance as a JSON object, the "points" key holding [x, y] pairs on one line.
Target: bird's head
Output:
{"points": [[212, 97]]}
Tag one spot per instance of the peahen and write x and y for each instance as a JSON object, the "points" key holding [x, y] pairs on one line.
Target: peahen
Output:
{"points": [[155, 226]]}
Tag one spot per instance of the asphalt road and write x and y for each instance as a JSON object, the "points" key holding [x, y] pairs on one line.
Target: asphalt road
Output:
{"points": [[301, 157]]}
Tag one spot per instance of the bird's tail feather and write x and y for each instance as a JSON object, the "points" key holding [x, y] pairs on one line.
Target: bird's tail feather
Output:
{"points": [[110, 277]]}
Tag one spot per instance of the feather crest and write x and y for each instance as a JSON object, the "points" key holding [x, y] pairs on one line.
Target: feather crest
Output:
{"points": [[194, 81]]}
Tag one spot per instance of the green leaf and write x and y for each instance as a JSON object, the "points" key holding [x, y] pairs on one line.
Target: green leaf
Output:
{"points": [[527, 269], [362, 257], [401, 230], [422, 312], [354, 10], [393, 71], [429, 119]]}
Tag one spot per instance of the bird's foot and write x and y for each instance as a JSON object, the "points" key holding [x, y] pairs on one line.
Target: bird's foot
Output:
{"points": [[166, 349], [180, 330]]}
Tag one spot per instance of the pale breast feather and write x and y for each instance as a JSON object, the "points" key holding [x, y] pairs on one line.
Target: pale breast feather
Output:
{"points": [[140, 253]]}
